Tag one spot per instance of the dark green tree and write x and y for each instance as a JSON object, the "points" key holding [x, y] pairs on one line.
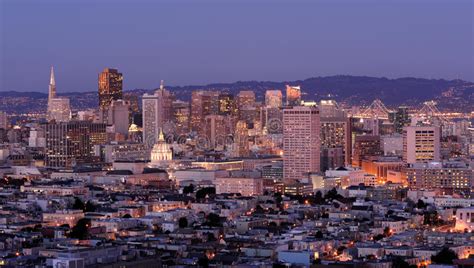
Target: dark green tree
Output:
{"points": [[399, 262], [445, 256], [81, 229], [183, 222], [78, 204], [188, 189]]}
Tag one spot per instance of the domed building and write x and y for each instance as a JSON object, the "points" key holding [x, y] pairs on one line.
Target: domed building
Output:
{"points": [[161, 154]]}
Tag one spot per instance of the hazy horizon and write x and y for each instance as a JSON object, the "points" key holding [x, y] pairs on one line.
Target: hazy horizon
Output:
{"points": [[189, 43]]}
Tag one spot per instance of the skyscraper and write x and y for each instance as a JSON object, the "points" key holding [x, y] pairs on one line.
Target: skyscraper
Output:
{"points": [[203, 103], [293, 95], [421, 144], [246, 98], [364, 147], [3, 120], [301, 142], [273, 98], [59, 108], [110, 87], [71, 143], [52, 86], [399, 118], [119, 116], [157, 111]]}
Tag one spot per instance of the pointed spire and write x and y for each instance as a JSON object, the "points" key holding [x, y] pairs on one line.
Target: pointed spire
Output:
{"points": [[162, 85], [52, 86], [161, 136], [51, 80]]}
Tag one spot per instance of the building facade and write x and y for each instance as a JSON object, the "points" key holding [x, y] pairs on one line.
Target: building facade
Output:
{"points": [[301, 142]]}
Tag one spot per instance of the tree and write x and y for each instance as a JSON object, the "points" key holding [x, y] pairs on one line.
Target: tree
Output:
{"points": [[81, 229], [90, 207], [421, 204], [318, 198], [445, 256], [213, 220], [188, 189], [399, 262], [206, 191], [387, 232], [183, 222], [203, 262], [319, 235], [78, 204]]}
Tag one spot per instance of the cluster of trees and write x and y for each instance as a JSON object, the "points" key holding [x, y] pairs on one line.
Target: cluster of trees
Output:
{"points": [[89, 206]]}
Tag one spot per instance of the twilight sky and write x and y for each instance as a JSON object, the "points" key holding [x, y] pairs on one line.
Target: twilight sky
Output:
{"points": [[198, 42]]}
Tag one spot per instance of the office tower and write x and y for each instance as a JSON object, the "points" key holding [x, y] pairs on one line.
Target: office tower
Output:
{"points": [[218, 128], [365, 146], [271, 119], [335, 135], [227, 104], [157, 112], [37, 138], [273, 98], [52, 86], [421, 144], [301, 142], [72, 143], [3, 120], [203, 103], [119, 116], [181, 115], [110, 87], [399, 118], [330, 109], [241, 140], [59, 108], [246, 98], [133, 101], [293, 95]]}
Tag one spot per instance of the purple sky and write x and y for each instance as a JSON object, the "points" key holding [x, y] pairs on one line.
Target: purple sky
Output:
{"points": [[198, 42]]}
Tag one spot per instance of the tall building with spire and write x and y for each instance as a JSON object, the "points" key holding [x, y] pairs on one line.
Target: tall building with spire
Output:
{"points": [[59, 108], [52, 86], [157, 114]]}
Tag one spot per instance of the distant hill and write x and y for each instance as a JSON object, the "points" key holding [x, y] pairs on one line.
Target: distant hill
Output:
{"points": [[454, 95]]}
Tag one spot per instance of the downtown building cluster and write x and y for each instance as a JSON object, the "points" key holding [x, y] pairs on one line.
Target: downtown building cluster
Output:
{"points": [[227, 179]]}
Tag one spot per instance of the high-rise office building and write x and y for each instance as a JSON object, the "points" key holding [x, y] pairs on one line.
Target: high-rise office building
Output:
{"points": [[217, 129], [293, 95], [59, 108], [52, 86], [181, 115], [301, 142], [246, 98], [119, 116], [241, 140], [399, 118], [421, 144], [203, 103], [3, 120], [110, 87], [157, 111], [227, 104], [72, 143], [365, 146], [335, 136], [273, 98]]}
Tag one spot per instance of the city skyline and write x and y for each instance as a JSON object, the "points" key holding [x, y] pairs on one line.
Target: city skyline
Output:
{"points": [[184, 46]]}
